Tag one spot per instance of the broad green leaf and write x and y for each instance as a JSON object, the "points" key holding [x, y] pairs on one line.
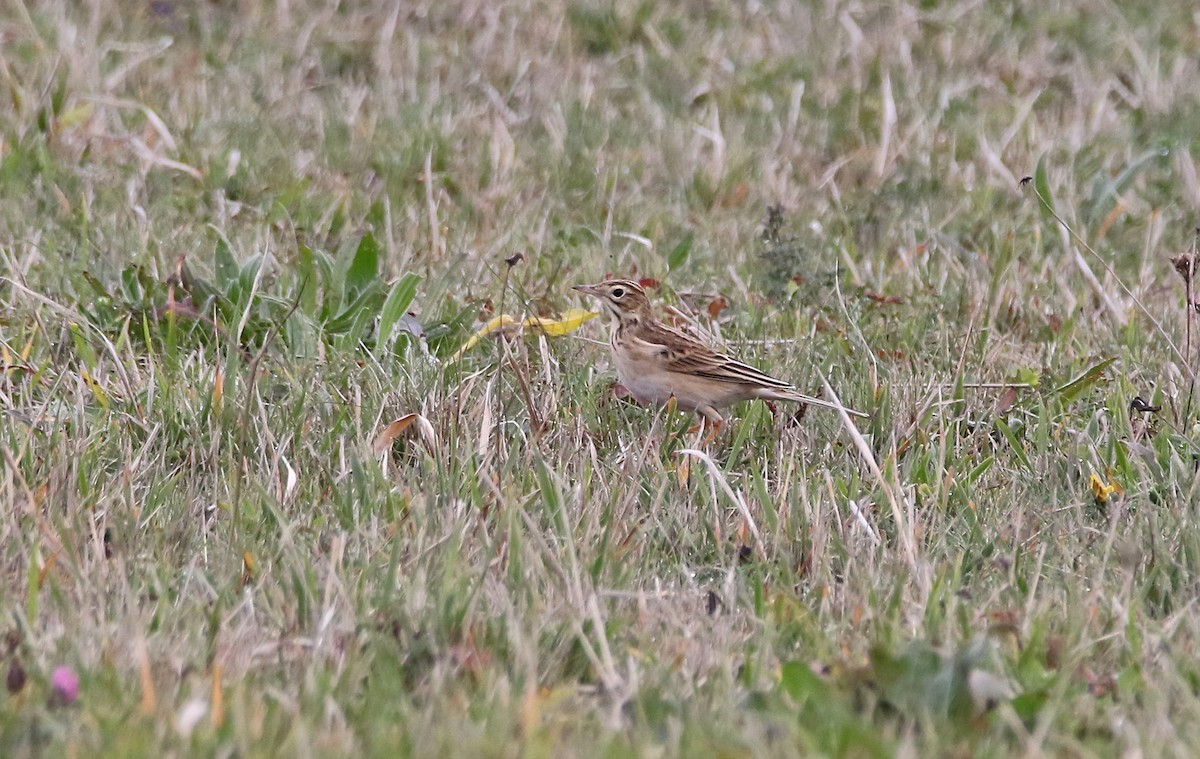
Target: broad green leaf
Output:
{"points": [[1107, 189], [131, 282], [679, 254], [249, 272], [801, 683], [96, 285], [1030, 704], [225, 266], [1017, 447], [309, 280], [1073, 388], [82, 347], [330, 284], [367, 303], [907, 677], [1042, 184], [980, 469], [73, 117], [364, 267], [1026, 376], [396, 305]]}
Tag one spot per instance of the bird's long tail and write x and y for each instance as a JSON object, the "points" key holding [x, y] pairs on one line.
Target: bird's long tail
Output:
{"points": [[772, 394]]}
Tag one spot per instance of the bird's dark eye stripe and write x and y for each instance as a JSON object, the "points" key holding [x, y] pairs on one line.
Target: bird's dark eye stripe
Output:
{"points": [[618, 292]]}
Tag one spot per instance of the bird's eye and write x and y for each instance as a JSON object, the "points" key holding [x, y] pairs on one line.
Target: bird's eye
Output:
{"points": [[618, 292]]}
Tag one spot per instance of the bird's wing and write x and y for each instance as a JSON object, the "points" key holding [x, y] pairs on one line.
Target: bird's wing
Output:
{"points": [[687, 355]]}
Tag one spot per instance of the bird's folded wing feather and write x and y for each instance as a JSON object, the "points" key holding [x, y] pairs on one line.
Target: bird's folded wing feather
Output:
{"points": [[686, 355]]}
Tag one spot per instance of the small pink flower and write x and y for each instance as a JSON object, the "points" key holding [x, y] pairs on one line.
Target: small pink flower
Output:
{"points": [[64, 685]]}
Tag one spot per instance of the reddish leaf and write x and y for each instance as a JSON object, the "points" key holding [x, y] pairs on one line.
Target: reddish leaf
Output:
{"points": [[1056, 646], [395, 429], [736, 197], [884, 300], [717, 305], [1006, 399]]}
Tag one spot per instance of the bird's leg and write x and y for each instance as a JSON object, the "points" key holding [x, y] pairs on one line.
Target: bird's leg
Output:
{"points": [[710, 419]]}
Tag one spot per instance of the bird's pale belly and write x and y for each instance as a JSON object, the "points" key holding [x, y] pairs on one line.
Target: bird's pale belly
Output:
{"points": [[657, 387], [645, 386]]}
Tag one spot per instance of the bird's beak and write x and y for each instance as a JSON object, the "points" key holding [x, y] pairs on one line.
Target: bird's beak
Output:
{"points": [[586, 289]]}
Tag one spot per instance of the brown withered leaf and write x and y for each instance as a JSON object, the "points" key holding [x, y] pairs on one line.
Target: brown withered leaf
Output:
{"points": [[15, 680], [736, 197], [1098, 686], [717, 305], [248, 569], [883, 300], [1006, 399], [393, 430], [1186, 266]]}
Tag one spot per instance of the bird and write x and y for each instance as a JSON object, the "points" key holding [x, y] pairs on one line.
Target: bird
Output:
{"points": [[657, 363]]}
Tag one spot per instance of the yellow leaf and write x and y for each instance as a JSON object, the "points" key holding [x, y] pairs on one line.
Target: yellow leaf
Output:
{"points": [[75, 116], [1101, 491], [218, 391], [496, 323], [571, 320], [1116, 486], [248, 568], [683, 471], [97, 391]]}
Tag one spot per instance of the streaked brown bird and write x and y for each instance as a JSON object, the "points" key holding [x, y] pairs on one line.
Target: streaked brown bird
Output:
{"points": [[656, 362]]}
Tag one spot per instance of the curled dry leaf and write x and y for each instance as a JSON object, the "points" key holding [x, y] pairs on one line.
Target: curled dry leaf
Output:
{"points": [[567, 323], [1102, 490], [396, 428]]}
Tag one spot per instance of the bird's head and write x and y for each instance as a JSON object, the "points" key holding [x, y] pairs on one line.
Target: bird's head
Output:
{"points": [[622, 299]]}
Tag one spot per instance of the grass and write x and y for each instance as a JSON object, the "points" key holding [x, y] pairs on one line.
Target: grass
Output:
{"points": [[238, 239]]}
